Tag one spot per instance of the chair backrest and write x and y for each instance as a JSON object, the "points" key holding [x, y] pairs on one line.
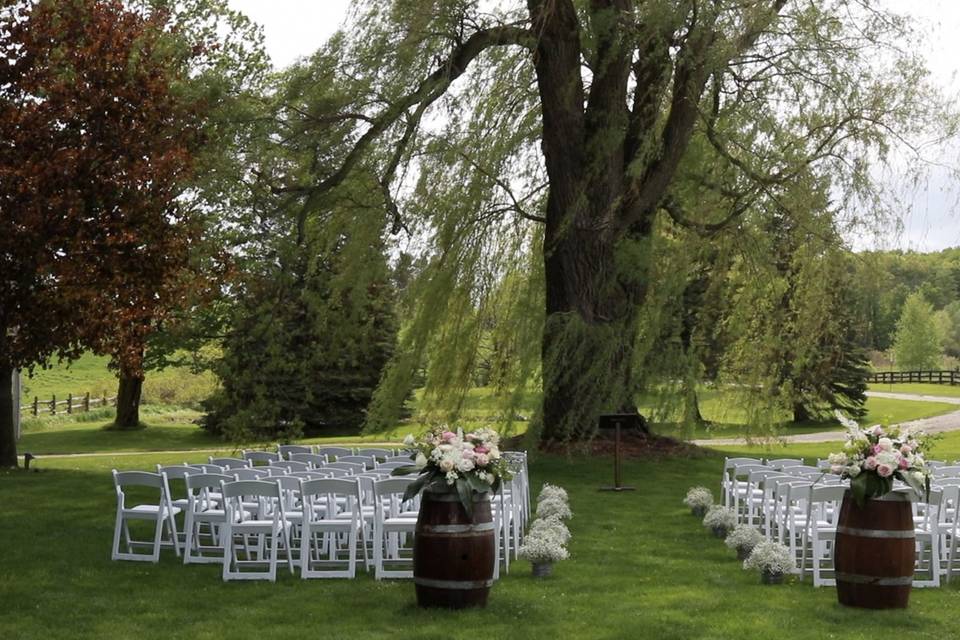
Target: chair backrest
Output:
{"points": [[312, 459], [933, 464], [276, 469], [798, 469], [137, 479], [294, 465], [352, 467], [730, 463], [209, 468], [178, 471], [780, 463], [743, 471], [261, 457], [388, 495], [308, 475], [250, 489], [952, 471], [945, 482], [395, 464], [368, 462], [285, 450], [249, 474], [207, 481], [230, 463], [376, 453], [334, 472], [325, 492], [336, 452]]}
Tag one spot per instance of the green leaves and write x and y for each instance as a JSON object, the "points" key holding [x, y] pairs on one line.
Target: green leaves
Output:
{"points": [[869, 485], [466, 496]]}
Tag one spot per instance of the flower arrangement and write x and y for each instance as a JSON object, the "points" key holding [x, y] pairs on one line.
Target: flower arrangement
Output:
{"points": [[445, 459], [554, 508], [772, 559], [546, 540], [552, 491], [721, 519], [699, 499], [871, 458], [743, 539]]}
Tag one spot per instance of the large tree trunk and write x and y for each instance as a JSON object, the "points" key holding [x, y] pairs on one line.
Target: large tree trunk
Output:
{"points": [[8, 437], [128, 400]]}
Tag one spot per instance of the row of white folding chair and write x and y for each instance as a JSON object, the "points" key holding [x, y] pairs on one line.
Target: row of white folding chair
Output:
{"points": [[287, 450]]}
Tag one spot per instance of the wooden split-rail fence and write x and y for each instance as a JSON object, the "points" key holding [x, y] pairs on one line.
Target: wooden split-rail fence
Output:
{"points": [[72, 404], [903, 377]]}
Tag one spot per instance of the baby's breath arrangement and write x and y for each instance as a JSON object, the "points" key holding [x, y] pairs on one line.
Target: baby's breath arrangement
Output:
{"points": [[721, 520], [552, 526], [743, 539], [699, 499], [552, 491], [771, 558], [553, 507]]}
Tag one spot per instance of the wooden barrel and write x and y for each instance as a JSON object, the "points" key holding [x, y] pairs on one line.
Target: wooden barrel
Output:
{"points": [[453, 555], [874, 552]]}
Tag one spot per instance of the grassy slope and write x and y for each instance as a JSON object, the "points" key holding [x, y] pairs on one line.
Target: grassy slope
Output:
{"points": [[640, 566]]}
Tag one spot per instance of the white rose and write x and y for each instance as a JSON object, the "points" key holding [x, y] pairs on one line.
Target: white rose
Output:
{"points": [[886, 444], [421, 461], [853, 470], [465, 464], [447, 465], [409, 440]]}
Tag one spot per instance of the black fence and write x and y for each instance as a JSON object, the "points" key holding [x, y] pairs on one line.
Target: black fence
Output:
{"points": [[928, 377]]}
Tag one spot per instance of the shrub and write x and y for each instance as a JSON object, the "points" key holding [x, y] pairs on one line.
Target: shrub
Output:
{"points": [[770, 557]]}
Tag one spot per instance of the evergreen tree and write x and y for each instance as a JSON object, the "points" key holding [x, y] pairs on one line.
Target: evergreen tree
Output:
{"points": [[918, 341]]}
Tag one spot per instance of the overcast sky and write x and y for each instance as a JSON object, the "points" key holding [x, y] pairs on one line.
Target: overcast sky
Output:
{"points": [[295, 28]]}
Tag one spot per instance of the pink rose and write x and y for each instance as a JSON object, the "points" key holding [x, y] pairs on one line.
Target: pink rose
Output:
{"points": [[884, 470], [870, 463], [903, 463], [448, 436], [876, 448], [468, 454], [837, 469], [481, 449], [906, 449], [482, 460]]}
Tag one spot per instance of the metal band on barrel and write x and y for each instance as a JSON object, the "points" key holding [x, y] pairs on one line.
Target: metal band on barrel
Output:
{"points": [[456, 528], [877, 581], [453, 497], [453, 584], [877, 533]]}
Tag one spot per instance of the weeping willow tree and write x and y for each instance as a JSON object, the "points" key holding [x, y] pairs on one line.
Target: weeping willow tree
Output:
{"points": [[536, 147]]}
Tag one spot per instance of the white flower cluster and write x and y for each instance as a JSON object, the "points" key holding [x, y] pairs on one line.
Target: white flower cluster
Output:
{"points": [[720, 517], [548, 535], [744, 536], [770, 556], [698, 497]]}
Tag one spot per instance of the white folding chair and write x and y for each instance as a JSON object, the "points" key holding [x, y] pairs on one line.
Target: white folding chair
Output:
{"points": [[927, 537], [266, 524], [392, 523], [177, 472], [261, 457], [285, 450], [726, 481], [368, 462], [230, 463], [949, 517], [332, 515], [314, 460], [160, 513], [334, 452], [293, 465], [353, 467], [820, 531], [780, 463], [952, 471], [249, 473], [380, 454], [204, 508]]}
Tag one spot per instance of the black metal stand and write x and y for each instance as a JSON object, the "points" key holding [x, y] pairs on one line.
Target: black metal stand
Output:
{"points": [[617, 456]]}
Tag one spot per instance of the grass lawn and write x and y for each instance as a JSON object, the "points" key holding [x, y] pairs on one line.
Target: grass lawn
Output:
{"points": [[640, 566], [944, 390]]}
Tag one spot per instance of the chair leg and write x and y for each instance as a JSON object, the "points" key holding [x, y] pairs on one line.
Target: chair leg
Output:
{"points": [[118, 525], [158, 538]]}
